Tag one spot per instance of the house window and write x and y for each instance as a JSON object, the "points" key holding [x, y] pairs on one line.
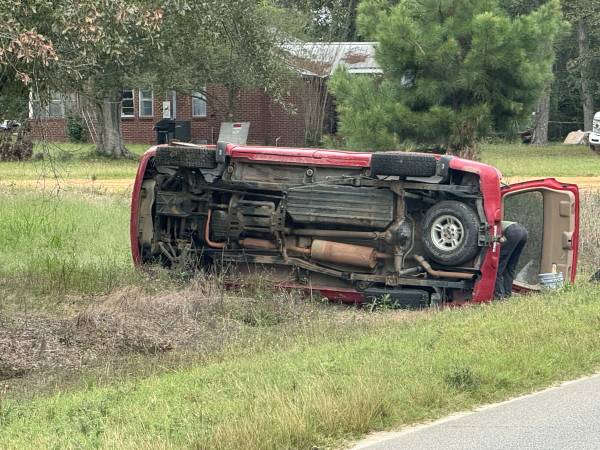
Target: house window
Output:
{"points": [[127, 109], [53, 107], [198, 104], [56, 105], [146, 103]]}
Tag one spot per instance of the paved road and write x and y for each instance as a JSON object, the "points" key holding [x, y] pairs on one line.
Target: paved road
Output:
{"points": [[565, 417]]}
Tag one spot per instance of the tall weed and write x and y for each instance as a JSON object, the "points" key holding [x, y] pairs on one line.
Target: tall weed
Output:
{"points": [[63, 243]]}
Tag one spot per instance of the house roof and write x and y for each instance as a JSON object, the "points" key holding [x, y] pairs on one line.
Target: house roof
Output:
{"points": [[321, 59]]}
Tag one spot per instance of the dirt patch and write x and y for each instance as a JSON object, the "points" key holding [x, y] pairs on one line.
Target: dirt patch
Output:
{"points": [[584, 183]]}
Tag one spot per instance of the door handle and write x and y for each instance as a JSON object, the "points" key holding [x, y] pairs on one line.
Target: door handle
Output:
{"points": [[567, 240]]}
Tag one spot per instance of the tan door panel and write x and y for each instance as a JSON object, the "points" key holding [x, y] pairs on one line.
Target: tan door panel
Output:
{"points": [[559, 225], [551, 232]]}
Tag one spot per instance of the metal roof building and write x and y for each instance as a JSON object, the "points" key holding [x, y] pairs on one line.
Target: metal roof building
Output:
{"points": [[321, 59]]}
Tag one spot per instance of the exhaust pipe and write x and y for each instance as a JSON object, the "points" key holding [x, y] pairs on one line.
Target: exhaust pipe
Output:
{"points": [[327, 251], [442, 273], [219, 245]]}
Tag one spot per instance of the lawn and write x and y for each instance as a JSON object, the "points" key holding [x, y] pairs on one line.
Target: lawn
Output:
{"points": [[70, 161], [77, 161], [552, 161]]}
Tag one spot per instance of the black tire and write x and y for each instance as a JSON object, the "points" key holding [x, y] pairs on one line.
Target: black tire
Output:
{"points": [[450, 233], [186, 157], [403, 164]]}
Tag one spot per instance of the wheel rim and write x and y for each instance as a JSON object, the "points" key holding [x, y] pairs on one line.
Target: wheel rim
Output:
{"points": [[447, 233]]}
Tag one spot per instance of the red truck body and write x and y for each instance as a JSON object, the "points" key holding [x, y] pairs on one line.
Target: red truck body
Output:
{"points": [[479, 185]]}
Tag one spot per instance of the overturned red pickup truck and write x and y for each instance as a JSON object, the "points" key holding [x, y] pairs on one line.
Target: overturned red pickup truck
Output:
{"points": [[422, 229]]}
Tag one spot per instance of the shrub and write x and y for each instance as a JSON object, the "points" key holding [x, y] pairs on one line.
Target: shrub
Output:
{"points": [[75, 129]]}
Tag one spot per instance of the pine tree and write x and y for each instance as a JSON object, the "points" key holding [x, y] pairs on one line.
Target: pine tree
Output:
{"points": [[452, 71]]}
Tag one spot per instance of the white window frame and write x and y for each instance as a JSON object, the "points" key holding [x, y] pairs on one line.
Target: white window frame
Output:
{"points": [[43, 111], [57, 100], [174, 104], [195, 99], [32, 109], [140, 100], [132, 104]]}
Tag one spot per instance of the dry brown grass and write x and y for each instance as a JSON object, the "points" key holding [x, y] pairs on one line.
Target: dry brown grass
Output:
{"points": [[137, 332], [589, 246], [201, 317]]}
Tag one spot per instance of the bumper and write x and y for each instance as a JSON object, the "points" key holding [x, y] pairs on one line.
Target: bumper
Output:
{"points": [[594, 138]]}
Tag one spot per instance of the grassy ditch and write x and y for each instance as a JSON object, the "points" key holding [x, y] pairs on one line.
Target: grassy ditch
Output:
{"points": [[140, 331], [325, 391]]}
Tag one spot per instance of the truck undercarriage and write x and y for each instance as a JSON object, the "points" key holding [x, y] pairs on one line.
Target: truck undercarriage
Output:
{"points": [[415, 231]]}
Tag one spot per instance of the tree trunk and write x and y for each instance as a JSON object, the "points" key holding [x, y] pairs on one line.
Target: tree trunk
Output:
{"points": [[351, 34], [232, 93], [469, 152], [463, 139], [587, 98], [315, 97], [110, 133], [542, 116]]}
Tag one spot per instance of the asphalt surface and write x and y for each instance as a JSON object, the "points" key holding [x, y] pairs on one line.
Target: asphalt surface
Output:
{"points": [[564, 417]]}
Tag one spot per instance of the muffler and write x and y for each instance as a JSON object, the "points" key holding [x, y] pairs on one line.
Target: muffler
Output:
{"points": [[327, 251], [345, 254]]}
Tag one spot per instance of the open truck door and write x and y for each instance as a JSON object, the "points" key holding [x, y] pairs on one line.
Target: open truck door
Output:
{"points": [[549, 210]]}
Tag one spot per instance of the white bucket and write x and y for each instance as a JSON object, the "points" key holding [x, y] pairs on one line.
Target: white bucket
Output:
{"points": [[551, 280]]}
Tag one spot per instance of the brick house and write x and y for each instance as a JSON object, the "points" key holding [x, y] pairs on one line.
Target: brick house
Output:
{"points": [[270, 123]]}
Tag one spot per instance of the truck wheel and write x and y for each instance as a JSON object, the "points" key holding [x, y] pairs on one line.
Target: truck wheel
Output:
{"points": [[595, 148], [403, 164], [450, 233], [186, 157]]}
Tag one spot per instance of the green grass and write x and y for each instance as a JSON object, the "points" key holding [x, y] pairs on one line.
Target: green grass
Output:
{"points": [[72, 242], [324, 391], [81, 150], [551, 161], [74, 161]]}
